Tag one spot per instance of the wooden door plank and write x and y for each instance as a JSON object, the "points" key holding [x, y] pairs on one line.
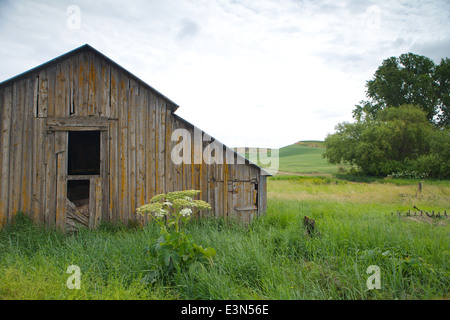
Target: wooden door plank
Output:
{"points": [[50, 180], [61, 181], [99, 196]]}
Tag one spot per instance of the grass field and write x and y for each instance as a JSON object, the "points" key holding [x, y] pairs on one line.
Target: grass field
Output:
{"points": [[272, 258]]}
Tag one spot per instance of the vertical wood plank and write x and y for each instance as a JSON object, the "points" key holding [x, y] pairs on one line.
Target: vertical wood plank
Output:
{"points": [[92, 202], [220, 183], [62, 89], [177, 175], [113, 171], [211, 187], [187, 168], [150, 148], [262, 189], [114, 93], [105, 90], [225, 188], [248, 194], [51, 90], [133, 94], [123, 148], [92, 85], [38, 169], [197, 157], [98, 201], [97, 89], [35, 96], [67, 93], [231, 185], [15, 168], [205, 177], [58, 93], [70, 87], [50, 180], [83, 85], [75, 85], [169, 146], [103, 197], [158, 184], [5, 135], [141, 116], [61, 183], [43, 94], [27, 142], [193, 178], [162, 142]]}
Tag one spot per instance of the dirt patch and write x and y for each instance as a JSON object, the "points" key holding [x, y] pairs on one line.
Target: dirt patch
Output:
{"points": [[429, 220]]}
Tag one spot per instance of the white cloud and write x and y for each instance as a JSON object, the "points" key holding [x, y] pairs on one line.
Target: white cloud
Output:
{"points": [[249, 72]]}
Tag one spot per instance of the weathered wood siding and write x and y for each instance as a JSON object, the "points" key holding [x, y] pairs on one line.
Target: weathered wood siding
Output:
{"points": [[84, 91]]}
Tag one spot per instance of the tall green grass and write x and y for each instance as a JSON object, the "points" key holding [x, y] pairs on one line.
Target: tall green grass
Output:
{"points": [[272, 258]]}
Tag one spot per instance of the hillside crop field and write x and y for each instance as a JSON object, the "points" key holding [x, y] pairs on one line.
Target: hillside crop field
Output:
{"points": [[304, 157], [272, 258]]}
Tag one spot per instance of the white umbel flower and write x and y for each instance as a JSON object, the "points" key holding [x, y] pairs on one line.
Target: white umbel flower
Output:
{"points": [[160, 213], [186, 212]]}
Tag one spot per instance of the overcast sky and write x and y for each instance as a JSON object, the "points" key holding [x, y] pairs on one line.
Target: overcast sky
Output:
{"points": [[261, 73]]}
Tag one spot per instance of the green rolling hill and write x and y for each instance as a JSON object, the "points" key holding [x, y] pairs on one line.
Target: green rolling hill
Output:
{"points": [[303, 157]]}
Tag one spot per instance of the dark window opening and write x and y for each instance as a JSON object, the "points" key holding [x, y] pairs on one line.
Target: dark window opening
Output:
{"points": [[84, 153], [78, 192]]}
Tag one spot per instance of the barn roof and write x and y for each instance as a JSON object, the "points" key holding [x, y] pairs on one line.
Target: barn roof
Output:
{"points": [[88, 48]]}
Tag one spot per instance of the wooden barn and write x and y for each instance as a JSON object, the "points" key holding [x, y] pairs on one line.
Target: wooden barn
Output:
{"points": [[82, 140]]}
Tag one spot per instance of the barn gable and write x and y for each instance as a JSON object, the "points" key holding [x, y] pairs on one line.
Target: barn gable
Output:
{"points": [[83, 140]]}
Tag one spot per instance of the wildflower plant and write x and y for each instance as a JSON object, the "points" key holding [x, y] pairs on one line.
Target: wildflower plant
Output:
{"points": [[175, 250]]}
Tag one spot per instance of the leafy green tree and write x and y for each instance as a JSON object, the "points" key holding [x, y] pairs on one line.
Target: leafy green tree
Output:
{"points": [[408, 79], [435, 163], [399, 139], [442, 79]]}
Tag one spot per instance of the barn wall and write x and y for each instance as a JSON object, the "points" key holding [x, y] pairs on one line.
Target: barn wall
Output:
{"points": [[229, 186], [85, 91]]}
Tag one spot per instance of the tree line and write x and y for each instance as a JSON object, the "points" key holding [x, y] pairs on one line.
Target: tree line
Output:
{"points": [[403, 127]]}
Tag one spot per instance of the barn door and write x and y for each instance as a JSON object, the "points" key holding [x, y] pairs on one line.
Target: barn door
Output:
{"points": [[76, 174], [244, 200], [87, 177]]}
